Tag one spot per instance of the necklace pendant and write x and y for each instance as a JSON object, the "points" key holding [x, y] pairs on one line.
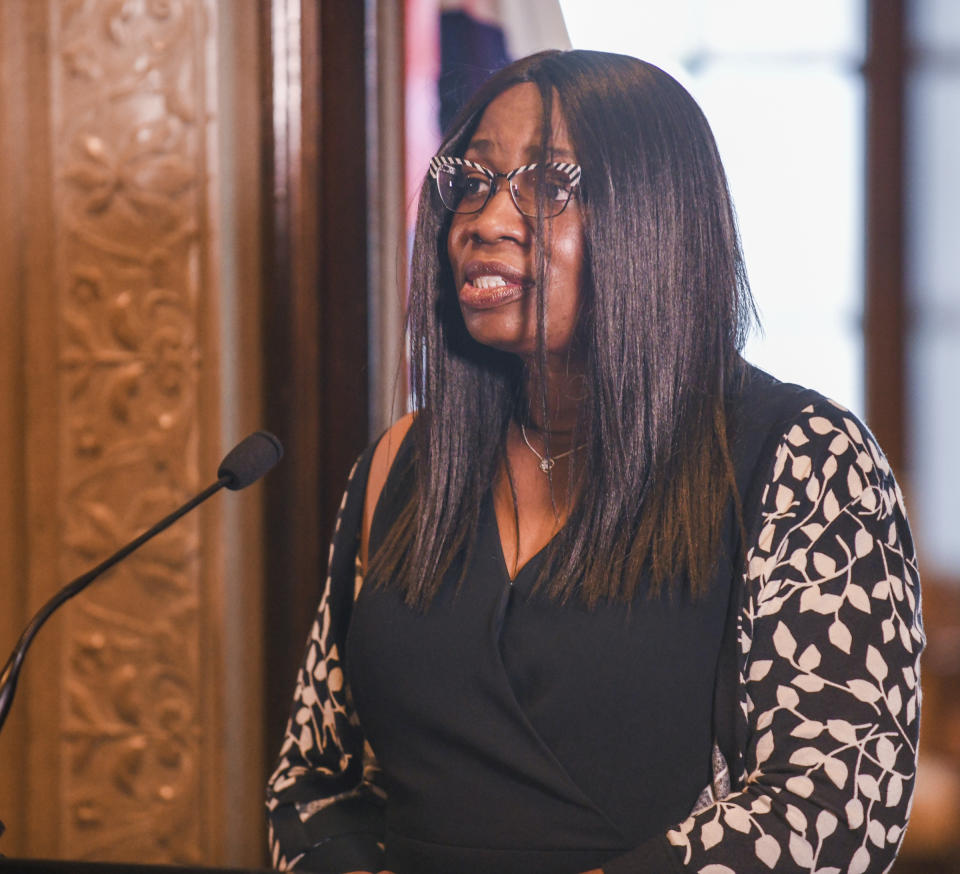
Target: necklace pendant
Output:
{"points": [[546, 464]]}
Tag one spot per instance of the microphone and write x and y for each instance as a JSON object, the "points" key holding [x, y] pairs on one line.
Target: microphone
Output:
{"points": [[249, 460]]}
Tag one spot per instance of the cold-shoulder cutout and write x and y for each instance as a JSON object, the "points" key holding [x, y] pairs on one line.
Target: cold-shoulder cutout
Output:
{"points": [[383, 457]]}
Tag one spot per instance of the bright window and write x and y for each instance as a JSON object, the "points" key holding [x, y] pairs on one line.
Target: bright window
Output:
{"points": [[781, 86]]}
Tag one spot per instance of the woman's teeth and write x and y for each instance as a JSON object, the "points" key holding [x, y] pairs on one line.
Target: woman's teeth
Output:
{"points": [[489, 282]]}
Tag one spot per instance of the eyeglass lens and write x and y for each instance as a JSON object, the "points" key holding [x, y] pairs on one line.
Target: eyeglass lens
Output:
{"points": [[467, 190]]}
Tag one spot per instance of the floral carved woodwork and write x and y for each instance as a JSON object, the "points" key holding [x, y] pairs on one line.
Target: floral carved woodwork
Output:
{"points": [[131, 132]]}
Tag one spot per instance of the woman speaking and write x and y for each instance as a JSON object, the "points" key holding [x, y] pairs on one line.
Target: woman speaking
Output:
{"points": [[610, 599]]}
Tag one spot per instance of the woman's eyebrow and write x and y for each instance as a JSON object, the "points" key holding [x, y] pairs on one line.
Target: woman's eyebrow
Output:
{"points": [[531, 153], [483, 146]]}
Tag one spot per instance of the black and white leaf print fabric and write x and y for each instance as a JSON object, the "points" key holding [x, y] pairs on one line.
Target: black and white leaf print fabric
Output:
{"points": [[830, 641], [322, 742]]}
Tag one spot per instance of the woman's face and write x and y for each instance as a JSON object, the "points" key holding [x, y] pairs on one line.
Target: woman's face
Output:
{"points": [[492, 252]]}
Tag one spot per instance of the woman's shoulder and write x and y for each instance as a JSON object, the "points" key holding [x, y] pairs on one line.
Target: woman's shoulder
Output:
{"points": [[778, 424], [788, 413], [384, 455], [758, 401]]}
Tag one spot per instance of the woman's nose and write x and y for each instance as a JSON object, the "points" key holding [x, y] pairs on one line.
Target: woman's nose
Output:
{"points": [[500, 217]]}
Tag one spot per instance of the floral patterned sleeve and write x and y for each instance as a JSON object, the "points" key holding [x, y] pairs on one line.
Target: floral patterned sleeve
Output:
{"points": [[830, 640], [324, 799]]}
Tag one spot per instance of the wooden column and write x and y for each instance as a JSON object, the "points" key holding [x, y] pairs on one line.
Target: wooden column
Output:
{"points": [[884, 305], [314, 308]]}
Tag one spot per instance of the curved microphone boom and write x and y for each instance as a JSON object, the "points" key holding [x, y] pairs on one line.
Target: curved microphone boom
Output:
{"points": [[249, 460]]}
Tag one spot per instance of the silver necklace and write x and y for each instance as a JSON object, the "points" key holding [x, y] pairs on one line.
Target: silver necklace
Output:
{"points": [[547, 461]]}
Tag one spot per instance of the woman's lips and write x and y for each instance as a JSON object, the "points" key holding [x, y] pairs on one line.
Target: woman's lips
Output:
{"points": [[489, 284], [480, 298]]}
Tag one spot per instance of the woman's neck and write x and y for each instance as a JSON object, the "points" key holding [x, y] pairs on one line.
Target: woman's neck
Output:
{"points": [[565, 393]]}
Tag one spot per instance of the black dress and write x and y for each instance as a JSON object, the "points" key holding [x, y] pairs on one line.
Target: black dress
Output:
{"points": [[521, 736]]}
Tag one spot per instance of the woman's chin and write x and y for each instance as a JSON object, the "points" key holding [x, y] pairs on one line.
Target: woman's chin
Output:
{"points": [[510, 344], [521, 345], [506, 332], [511, 329]]}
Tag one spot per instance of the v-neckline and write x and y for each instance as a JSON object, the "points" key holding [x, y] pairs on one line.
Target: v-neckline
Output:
{"points": [[494, 522]]}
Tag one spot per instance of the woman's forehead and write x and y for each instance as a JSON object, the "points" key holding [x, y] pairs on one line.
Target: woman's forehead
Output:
{"points": [[510, 127]]}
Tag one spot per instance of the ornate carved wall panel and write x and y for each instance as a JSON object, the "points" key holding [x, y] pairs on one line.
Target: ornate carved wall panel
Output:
{"points": [[124, 743], [129, 114]]}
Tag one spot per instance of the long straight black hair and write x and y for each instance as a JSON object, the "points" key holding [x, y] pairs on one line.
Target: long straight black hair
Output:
{"points": [[665, 309]]}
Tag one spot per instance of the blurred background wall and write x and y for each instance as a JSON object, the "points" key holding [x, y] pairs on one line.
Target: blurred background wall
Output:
{"points": [[205, 209]]}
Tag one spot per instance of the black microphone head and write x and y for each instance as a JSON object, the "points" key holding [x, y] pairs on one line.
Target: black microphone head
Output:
{"points": [[249, 460]]}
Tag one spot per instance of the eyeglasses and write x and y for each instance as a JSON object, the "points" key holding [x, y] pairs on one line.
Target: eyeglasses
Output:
{"points": [[465, 186]]}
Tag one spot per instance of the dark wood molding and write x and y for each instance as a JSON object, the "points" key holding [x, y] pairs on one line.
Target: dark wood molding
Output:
{"points": [[290, 372], [342, 194], [314, 308], [884, 301]]}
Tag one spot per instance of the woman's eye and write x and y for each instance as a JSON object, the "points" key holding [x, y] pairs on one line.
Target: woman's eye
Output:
{"points": [[544, 185], [556, 186], [475, 185]]}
